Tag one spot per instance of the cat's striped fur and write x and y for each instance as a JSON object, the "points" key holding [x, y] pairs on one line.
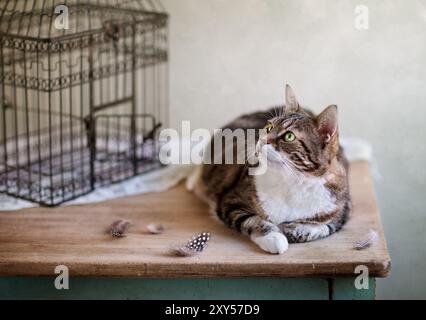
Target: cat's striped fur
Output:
{"points": [[304, 193]]}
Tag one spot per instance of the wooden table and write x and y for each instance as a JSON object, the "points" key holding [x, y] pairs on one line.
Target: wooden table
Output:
{"points": [[34, 241]]}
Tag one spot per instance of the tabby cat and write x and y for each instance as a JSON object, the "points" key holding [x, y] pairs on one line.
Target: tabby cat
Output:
{"points": [[302, 196]]}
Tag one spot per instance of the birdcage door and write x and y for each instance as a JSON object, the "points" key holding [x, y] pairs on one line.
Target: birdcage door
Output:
{"points": [[124, 146]]}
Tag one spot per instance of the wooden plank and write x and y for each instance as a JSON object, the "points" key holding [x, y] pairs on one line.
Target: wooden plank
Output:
{"points": [[174, 289], [34, 241]]}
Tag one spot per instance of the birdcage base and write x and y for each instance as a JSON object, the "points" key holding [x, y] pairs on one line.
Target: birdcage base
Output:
{"points": [[67, 176]]}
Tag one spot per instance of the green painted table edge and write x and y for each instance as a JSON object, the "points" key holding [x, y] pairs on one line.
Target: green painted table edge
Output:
{"points": [[14, 288]]}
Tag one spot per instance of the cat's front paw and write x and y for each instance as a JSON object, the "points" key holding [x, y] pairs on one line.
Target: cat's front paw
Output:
{"points": [[273, 242]]}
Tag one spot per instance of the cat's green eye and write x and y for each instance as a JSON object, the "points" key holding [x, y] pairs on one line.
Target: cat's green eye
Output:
{"points": [[289, 136], [269, 127]]}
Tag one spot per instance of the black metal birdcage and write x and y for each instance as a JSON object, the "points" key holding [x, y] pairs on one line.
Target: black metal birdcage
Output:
{"points": [[83, 92]]}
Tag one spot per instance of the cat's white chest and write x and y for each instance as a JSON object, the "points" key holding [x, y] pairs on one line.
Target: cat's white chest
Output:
{"points": [[286, 198]]}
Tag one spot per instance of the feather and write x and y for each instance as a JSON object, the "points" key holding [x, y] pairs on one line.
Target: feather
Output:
{"points": [[182, 251], [194, 246], [118, 228], [154, 228], [367, 241]]}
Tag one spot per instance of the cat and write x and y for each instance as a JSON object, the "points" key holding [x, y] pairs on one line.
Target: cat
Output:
{"points": [[303, 195]]}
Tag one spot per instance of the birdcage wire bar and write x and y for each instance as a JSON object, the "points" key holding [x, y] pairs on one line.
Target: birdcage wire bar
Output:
{"points": [[80, 108]]}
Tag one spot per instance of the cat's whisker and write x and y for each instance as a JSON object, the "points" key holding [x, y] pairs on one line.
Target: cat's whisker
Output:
{"points": [[281, 112], [290, 169], [281, 160], [272, 113], [287, 163], [296, 173]]}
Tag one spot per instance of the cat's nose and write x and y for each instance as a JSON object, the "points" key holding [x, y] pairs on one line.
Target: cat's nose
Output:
{"points": [[270, 139]]}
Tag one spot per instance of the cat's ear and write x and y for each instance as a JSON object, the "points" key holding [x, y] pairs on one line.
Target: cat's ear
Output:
{"points": [[327, 123], [291, 104]]}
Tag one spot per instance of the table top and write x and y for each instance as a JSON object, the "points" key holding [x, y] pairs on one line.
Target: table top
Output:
{"points": [[34, 241]]}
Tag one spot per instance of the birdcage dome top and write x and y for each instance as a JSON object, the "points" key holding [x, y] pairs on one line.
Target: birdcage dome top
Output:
{"points": [[44, 19]]}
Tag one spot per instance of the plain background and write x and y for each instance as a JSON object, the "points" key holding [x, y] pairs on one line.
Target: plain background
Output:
{"points": [[229, 57]]}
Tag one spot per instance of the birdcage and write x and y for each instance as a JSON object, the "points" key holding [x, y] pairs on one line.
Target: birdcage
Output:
{"points": [[83, 93]]}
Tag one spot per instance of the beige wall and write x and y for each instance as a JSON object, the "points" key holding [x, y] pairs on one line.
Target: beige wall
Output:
{"points": [[234, 56]]}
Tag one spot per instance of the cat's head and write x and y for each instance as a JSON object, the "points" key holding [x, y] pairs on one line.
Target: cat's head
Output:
{"points": [[303, 141]]}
